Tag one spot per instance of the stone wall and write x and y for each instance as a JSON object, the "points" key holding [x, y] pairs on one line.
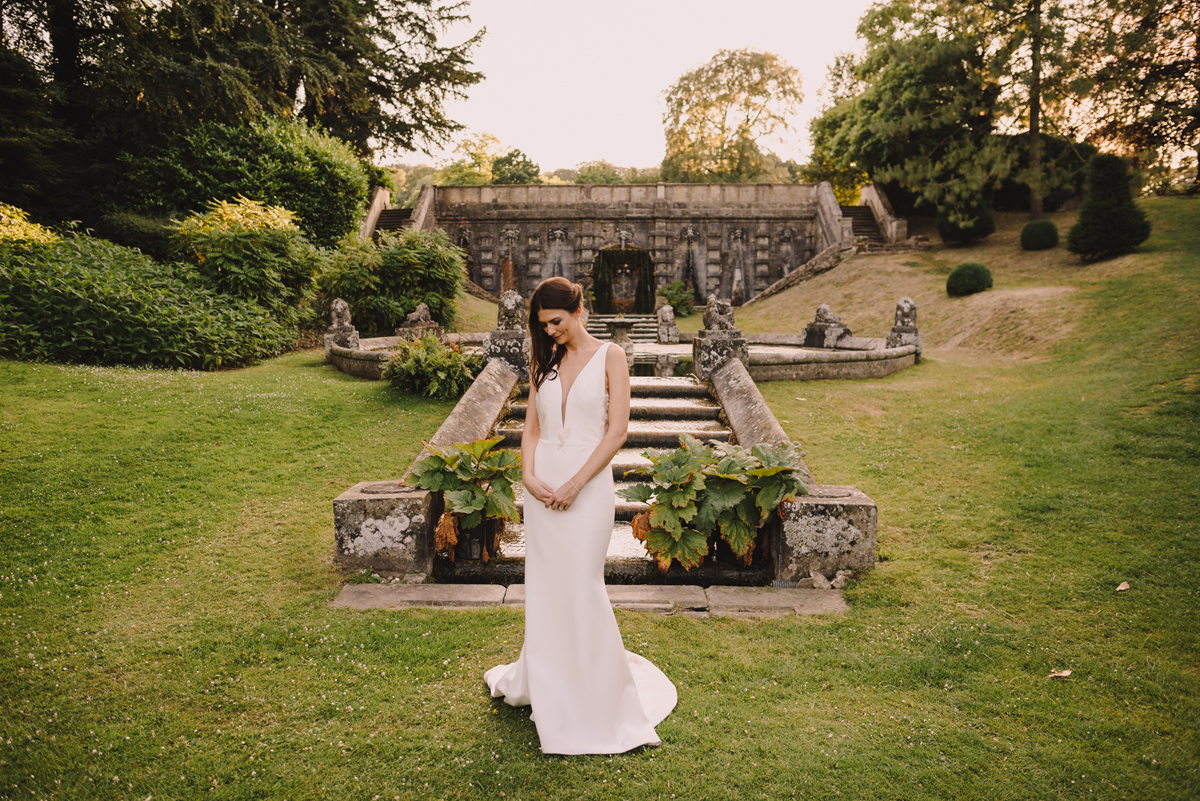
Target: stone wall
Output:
{"points": [[733, 240]]}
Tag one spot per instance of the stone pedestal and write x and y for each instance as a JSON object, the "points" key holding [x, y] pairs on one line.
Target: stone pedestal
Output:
{"points": [[511, 347], [665, 364], [833, 528], [345, 336], [904, 332], [711, 349], [825, 330], [385, 526], [412, 333], [619, 330]]}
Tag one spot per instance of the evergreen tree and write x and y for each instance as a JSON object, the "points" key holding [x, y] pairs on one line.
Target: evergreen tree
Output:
{"points": [[1110, 222]]}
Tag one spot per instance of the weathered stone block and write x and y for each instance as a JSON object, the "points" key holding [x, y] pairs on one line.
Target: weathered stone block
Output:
{"points": [[712, 349], [511, 347], [383, 525], [834, 527]]}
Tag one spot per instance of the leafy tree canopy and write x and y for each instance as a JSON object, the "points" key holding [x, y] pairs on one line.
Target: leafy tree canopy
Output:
{"points": [[514, 167], [717, 114], [374, 72]]}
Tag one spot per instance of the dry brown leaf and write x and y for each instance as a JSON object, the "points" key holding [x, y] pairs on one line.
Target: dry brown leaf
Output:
{"points": [[1059, 674], [1124, 585], [641, 525], [446, 534]]}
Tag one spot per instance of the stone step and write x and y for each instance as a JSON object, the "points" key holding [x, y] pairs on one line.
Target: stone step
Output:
{"points": [[716, 600], [623, 545], [652, 408], [658, 386], [642, 433]]}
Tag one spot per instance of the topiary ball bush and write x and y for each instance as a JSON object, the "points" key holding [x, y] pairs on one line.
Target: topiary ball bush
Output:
{"points": [[951, 229], [967, 279], [1039, 235], [1110, 222]]}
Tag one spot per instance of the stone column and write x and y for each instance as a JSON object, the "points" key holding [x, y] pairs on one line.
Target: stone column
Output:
{"points": [[668, 331]]}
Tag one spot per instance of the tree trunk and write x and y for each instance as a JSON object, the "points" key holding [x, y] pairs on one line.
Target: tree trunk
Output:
{"points": [[1035, 114]]}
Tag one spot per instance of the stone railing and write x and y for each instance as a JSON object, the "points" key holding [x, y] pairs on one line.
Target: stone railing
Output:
{"points": [[380, 199], [893, 228], [832, 527], [832, 228], [423, 217], [386, 525]]}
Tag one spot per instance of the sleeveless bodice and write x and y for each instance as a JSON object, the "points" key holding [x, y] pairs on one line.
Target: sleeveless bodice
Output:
{"points": [[586, 413]]}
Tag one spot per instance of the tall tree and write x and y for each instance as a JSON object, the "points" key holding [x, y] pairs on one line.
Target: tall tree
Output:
{"points": [[717, 114], [372, 71], [1142, 68]]}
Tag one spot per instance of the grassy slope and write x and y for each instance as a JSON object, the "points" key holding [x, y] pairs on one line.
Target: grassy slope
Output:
{"points": [[164, 593]]}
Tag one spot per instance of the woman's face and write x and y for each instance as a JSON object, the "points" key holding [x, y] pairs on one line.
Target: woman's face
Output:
{"points": [[559, 324]]}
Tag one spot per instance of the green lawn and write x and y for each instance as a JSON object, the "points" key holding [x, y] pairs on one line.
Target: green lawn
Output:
{"points": [[167, 575]]}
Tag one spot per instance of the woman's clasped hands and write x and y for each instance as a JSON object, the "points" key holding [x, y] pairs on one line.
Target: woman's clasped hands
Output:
{"points": [[558, 499]]}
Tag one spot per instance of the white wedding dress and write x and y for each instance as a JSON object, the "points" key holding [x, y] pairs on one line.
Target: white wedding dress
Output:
{"points": [[589, 695]]}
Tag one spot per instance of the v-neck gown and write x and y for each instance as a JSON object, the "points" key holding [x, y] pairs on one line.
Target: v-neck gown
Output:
{"points": [[589, 695]]}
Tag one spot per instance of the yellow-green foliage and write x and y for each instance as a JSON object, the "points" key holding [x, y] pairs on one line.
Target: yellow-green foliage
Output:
{"points": [[240, 214], [15, 225]]}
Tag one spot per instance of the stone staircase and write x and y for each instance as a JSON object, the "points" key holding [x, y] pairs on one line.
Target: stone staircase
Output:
{"points": [[864, 225], [661, 409], [393, 220], [645, 326]]}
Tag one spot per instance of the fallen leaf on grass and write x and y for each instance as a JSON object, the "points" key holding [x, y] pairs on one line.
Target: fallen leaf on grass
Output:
{"points": [[1124, 585], [1059, 674]]}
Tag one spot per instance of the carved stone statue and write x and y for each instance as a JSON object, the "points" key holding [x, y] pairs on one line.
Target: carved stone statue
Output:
{"points": [[719, 315], [510, 315], [418, 324], [340, 331], [419, 316], [339, 314], [905, 332], [825, 330], [668, 331], [509, 342], [719, 342], [906, 313]]}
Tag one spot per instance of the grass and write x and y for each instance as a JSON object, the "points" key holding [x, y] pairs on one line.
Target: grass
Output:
{"points": [[164, 593]]}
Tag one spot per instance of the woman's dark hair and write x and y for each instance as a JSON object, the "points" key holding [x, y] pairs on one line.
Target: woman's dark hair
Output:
{"points": [[553, 293]]}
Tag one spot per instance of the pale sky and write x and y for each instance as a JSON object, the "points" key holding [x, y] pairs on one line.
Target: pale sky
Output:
{"points": [[568, 82]]}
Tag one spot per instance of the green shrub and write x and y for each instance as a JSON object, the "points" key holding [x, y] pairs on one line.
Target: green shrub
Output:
{"points": [[153, 236], [282, 163], [16, 227], [252, 251], [1039, 235], [680, 298], [385, 283], [427, 367], [1109, 222], [89, 301], [967, 279], [969, 224]]}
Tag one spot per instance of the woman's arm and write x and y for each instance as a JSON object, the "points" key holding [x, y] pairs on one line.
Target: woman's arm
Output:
{"points": [[617, 371], [530, 435]]}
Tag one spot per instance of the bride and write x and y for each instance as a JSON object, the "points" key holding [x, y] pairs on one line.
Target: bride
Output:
{"points": [[589, 695]]}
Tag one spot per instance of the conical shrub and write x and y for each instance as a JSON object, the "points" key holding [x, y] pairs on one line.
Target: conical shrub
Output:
{"points": [[1110, 222]]}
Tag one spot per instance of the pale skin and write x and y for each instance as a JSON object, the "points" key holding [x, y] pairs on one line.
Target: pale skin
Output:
{"points": [[567, 329]]}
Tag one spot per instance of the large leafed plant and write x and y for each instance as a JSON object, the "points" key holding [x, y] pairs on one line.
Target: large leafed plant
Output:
{"points": [[476, 482], [701, 493]]}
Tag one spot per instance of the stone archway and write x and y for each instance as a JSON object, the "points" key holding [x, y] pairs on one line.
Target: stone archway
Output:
{"points": [[623, 281]]}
